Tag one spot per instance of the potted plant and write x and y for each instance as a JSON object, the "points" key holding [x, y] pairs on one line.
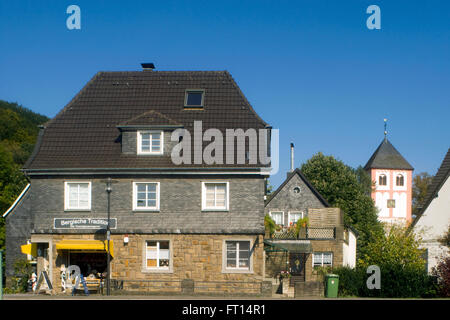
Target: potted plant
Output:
{"points": [[301, 226]]}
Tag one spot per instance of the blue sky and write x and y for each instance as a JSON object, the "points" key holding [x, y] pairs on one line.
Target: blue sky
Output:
{"points": [[310, 68]]}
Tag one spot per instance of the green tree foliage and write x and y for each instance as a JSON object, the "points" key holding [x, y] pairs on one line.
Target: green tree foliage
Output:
{"points": [[347, 189], [397, 246], [421, 182], [18, 132]]}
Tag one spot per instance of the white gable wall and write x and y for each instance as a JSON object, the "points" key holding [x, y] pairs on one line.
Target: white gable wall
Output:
{"points": [[434, 223]]}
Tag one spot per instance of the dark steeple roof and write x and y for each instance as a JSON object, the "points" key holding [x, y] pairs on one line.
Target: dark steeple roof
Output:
{"points": [[387, 157]]}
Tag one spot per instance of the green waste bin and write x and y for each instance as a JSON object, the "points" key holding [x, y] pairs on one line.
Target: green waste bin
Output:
{"points": [[332, 284]]}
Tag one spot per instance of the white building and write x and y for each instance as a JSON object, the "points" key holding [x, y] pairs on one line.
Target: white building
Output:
{"points": [[434, 217]]}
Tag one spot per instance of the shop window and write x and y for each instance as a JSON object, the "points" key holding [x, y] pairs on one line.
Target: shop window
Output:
{"points": [[238, 255], [158, 255]]}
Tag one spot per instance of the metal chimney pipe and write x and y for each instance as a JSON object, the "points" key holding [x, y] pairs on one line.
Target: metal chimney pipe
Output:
{"points": [[292, 157]]}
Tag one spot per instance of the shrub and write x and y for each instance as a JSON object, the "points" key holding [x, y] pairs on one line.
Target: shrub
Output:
{"points": [[350, 280], [442, 272], [22, 272]]}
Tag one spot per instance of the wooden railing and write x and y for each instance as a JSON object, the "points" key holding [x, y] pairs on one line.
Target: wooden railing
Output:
{"points": [[307, 233]]}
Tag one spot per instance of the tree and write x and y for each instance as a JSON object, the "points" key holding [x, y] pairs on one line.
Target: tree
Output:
{"points": [[421, 182], [18, 132], [347, 189]]}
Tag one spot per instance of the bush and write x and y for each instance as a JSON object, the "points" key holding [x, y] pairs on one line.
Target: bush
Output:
{"points": [[350, 280], [442, 272], [396, 282], [22, 272]]}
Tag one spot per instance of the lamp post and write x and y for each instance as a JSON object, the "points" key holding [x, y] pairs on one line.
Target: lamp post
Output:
{"points": [[109, 183]]}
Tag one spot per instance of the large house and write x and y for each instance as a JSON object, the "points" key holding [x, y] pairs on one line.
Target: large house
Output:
{"points": [[433, 219], [174, 225]]}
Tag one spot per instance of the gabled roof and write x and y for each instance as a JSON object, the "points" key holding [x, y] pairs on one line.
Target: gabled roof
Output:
{"points": [[438, 181], [310, 186], [387, 157], [85, 134]]}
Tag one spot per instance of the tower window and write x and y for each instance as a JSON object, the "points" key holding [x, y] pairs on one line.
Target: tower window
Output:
{"points": [[382, 180], [400, 180]]}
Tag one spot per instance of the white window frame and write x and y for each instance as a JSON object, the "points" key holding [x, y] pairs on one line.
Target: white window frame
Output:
{"points": [[302, 214], [67, 206], [146, 208], [227, 196], [405, 180], [321, 261], [158, 269], [388, 178], [237, 269], [150, 152], [282, 216], [194, 105]]}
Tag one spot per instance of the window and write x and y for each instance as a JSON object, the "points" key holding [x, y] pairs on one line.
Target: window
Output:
{"points": [[238, 255], [194, 98], [294, 217], [297, 190], [322, 259], [145, 195], [150, 142], [391, 203], [400, 180], [215, 196], [157, 255], [277, 217], [77, 195], [382, 180]]}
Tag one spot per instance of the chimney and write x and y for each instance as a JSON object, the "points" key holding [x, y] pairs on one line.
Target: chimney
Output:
{"points": [[147, 66], [292, 157]]}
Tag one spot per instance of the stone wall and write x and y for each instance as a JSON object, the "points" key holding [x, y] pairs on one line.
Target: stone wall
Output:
{"points": [[195, 257]]}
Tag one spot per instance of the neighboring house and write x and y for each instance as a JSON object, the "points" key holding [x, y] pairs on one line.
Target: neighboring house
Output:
{"points": [[170, 222], [393, 184], [433, 219], [324, 242]]}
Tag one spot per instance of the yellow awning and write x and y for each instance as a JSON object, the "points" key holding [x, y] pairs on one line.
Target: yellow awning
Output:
{"points": [[30, 248], [85, 245]]}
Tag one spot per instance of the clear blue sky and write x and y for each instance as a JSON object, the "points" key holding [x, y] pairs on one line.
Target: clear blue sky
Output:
{"points": [[310, 68]]}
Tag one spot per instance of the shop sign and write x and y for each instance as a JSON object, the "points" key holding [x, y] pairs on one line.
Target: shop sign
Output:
{"points": [[84, 223]]}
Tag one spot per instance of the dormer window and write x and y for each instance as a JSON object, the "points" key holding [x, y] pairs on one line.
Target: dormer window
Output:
{"points": [[150, 142], [194, 98]]}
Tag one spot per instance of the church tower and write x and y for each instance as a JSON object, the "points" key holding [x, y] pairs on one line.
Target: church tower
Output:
{"points": [[393, 183]]}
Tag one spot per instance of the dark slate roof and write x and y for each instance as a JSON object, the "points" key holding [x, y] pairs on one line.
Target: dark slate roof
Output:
{"points": [[387, 157], [149, 118], [85, 133], [305, 180], [438, 181]]}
